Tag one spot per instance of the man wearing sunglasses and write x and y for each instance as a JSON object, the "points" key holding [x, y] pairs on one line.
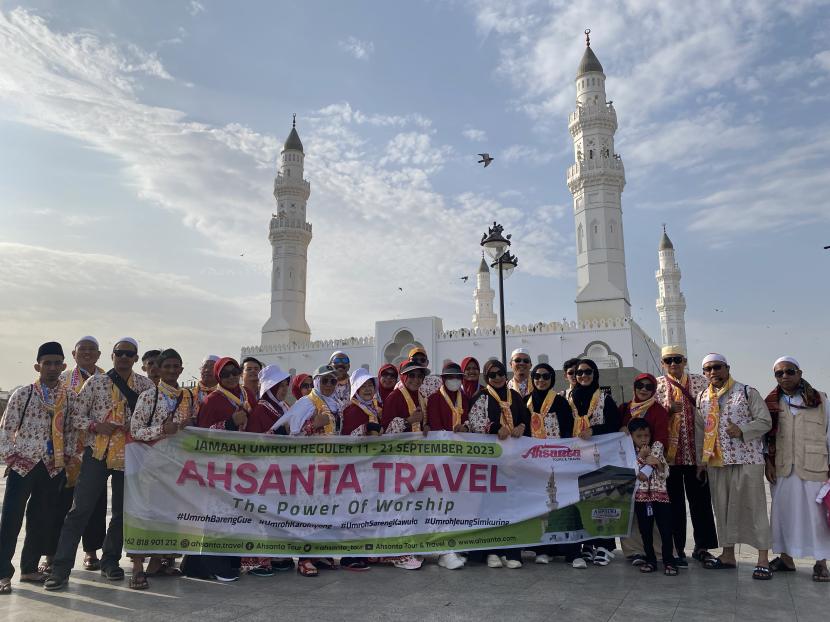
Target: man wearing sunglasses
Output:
{"points": [[676, 391], [340, 363], [797, 467], [733, 420], [520, 364], [104, 408], [569, 369]]}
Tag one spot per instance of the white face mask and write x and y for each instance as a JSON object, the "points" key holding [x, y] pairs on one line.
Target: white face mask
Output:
{"points": [[453, 384]]}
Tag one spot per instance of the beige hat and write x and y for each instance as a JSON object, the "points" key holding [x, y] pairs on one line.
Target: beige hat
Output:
{"points": [[672, 351]]}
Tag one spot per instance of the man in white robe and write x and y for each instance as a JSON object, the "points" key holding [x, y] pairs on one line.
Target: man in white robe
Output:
{"points": [[797, 467]]}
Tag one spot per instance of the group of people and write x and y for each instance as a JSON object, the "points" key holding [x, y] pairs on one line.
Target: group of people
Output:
{"points": [[703, 439]]}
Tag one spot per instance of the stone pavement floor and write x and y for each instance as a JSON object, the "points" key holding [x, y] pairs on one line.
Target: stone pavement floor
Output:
{"points": [[533, 592]]}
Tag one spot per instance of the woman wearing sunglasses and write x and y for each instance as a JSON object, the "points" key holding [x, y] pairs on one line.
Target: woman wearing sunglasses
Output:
{"points": [[314, 415], [301, 386], [594, 412], [499, 410], [406, 408], [387, 379], [644, 406]]}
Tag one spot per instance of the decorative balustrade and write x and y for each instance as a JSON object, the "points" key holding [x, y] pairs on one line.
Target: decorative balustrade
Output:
{"points": [[324, 344]]}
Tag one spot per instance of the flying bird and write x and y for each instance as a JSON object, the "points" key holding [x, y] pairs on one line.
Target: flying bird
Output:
{"points": [[400, 289], [827, 248], [485, 159], [464, 278]]}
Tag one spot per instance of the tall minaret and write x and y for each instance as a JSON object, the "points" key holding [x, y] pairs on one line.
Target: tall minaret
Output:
{"points": [[484, 317], [289, 235], [596, 181], [671, 304]]}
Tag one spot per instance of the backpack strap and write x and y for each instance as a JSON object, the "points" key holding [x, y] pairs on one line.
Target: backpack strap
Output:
{"points": [[25, 406]]}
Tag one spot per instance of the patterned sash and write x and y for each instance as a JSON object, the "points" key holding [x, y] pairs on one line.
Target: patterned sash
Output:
{"points": [[57, 413], [506, 418], [537, 420], [712, 452], [582, 424], [321, 407], [457, 410], [410, 406]]}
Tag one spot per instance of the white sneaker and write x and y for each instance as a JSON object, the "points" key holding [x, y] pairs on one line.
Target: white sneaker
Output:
{"points": [[494, 561], [602, 557], [579, 563], [541, 558], [226, 579], [408, 562], [450, 561], [513, 563]]}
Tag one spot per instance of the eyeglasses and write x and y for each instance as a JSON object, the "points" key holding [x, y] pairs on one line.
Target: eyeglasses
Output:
{"points": [[328, 380], [124, 353], [711, 368], [391, 375], [780, 373], [673, 360], [230, 373], [340, 360], [420, 360], [496, 374], [541, 376], [570, 372], [525, 361], [583, 372], [643, 386], [306, 385]]}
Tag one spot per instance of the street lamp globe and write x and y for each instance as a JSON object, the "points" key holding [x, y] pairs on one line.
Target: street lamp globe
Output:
{"points": [[494, 242], [508, 264]]}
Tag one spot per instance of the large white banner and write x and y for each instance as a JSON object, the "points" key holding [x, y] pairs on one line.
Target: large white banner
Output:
{"points": [[234, 493]]}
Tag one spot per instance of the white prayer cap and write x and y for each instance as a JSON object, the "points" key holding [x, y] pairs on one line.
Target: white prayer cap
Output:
{"points": [[786, 359], [127, 340], [358, 379], [672, 351], [519, 351], [89, 338], [210, 357], [270, 376], [714, 357]]}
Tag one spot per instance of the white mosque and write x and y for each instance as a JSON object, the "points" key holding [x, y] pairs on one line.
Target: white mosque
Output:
{"points": [[604, 330]]}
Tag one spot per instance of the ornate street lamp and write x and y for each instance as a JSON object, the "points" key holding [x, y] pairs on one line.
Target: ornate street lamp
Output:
{"points": [[497, 247]]}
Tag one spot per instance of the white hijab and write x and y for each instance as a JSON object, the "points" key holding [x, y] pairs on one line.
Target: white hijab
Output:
{"points": [[303, 409]]}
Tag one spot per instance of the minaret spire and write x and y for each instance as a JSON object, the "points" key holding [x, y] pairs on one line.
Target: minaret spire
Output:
{"points": [[671, 304], [484, 317]]}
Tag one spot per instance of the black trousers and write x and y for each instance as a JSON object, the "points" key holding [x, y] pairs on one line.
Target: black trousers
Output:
{"points": [[661, 514], [91, 484], [96, 528], [35, 496], [683, 484]]}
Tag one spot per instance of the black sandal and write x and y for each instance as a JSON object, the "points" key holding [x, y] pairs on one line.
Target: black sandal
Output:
{"points": [[648, 567], [139, 581], [670, 570], [762, 573], [5, 586], [821, 574], [115, 573], [715, 563], [778, 565]]}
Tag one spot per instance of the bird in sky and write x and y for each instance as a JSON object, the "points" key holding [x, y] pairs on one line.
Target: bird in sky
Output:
{"points": [[485, 159], [464, 278], [400, 289], [242, 254], [827, 248]]}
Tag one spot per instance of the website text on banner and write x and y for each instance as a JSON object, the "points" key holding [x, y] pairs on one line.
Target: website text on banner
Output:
{"points": [[234, 493]]}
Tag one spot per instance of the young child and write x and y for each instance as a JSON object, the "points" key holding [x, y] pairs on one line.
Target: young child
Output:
{"points": [[651, 499]]}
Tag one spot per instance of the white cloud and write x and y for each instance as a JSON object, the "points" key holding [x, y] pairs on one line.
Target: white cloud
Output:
{"points": [[195, 7], [358, 48], [474, 134], [528, 154]]}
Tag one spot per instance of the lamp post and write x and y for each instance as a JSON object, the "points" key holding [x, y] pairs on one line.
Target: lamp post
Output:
{"points": [[497, 246]]}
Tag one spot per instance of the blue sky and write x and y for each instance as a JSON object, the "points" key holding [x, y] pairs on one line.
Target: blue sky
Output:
{"points": [[138, 144]]}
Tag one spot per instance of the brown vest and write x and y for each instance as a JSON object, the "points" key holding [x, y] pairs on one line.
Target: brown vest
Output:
{"points": [[801, 442]]}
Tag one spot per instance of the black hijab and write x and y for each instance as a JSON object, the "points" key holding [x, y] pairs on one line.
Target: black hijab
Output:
{"points": [[517, 406], [536, 395], [582, 395]]}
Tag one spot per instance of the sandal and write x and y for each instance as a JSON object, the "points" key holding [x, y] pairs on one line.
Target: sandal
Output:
{"points": [[35, 577], [91, 563], [324, 563], [5, 586], [306, 568], [670, 570], [762, 573], [647, 567], [139, 581], [45, 568], [821, 574], [778, 565], [715, 563], [702, 555]]}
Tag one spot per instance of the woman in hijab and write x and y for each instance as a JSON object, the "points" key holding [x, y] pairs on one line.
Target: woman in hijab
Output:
{"points": [[387, 379], [273, 389], [301, 386], [229, 405], [406, 408], [499, 410], [645, 405], [314, 415], [471, 384], [362, 416], [594, 412]]}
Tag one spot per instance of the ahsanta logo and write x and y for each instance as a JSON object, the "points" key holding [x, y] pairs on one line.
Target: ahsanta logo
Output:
{"points": [[553, 452]]}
